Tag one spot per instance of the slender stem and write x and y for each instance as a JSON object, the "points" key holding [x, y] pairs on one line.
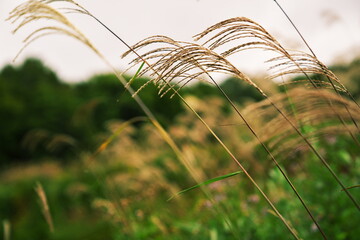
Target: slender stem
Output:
{"points": [[296, 29]]}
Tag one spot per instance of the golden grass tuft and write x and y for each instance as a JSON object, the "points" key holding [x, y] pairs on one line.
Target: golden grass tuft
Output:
{"points": [[7, 230], [44, 206], [34, 10], [183, 61]]}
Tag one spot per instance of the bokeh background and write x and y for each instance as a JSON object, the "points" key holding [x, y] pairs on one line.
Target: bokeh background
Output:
{"points": [[80, 160]]}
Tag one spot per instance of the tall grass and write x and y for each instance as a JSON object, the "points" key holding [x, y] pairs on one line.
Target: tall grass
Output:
{"points": [[279, 124]]}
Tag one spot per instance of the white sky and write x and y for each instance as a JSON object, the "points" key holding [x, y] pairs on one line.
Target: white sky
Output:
{"points": [[331, 27]]}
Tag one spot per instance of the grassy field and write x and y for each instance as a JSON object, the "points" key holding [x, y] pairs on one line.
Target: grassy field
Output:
{"points": [[122, 192], [284, 166]]}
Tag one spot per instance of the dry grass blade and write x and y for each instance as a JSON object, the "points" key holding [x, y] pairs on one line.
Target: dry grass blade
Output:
{"points": [[44, 206]]}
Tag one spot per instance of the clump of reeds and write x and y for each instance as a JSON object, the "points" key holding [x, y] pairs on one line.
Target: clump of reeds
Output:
{"points": [[309, 110]]}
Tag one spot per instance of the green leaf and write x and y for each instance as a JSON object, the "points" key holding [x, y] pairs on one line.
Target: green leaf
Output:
{"points": [[205, 183], [136, 74]]}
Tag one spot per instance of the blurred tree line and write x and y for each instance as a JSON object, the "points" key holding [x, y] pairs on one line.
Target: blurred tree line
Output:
{"points": [[42, 116]]}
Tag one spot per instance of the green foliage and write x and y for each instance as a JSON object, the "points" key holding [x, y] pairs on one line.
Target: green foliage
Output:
{"points": [[30, 100], [33, 100], [240, 92]]}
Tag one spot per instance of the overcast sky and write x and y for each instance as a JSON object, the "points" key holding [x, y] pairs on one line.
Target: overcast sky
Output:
{"points": [[332, 28]]}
